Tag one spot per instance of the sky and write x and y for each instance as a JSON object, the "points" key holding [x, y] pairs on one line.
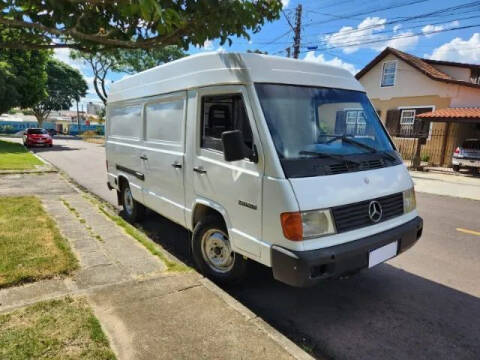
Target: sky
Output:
{"points": [[350, 33]]}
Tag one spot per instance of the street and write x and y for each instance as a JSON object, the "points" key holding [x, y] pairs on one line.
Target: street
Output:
{"points": [[422, 305]]}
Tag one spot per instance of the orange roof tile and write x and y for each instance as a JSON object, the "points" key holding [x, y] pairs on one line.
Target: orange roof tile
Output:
{"points": [[450, 113]]}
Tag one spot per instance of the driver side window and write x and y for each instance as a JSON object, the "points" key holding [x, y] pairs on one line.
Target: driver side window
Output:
{"points": [[223, 113]]}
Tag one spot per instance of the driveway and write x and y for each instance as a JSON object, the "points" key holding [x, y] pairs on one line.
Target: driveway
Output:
{"points": [[422, 305]]}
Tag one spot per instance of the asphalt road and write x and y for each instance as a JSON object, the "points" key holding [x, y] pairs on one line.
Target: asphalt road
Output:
{"points": [[424, 304]]}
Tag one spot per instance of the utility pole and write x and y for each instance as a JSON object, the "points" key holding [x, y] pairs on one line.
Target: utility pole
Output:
{"points": [[78, 118], [298, 26]]}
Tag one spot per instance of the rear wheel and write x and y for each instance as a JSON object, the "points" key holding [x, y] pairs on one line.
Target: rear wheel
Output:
{"points": [[456, 168], [134, 211], [213, 254]]}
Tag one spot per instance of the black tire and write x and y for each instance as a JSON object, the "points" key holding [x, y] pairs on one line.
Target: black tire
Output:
{"points": [[134, 211], [456, 168], [229, 274]]}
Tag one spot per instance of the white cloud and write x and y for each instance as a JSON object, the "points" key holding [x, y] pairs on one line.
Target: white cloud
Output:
{"points": [[349, 36], [365, 35], [333, 62], [285, 3], [405, 40], [459, 50], [63, 54], [431, 30], [208, 45]]}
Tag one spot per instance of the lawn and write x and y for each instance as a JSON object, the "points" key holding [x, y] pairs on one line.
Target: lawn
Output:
{"points": [[15, 156], [31, 246], [57, 329]]}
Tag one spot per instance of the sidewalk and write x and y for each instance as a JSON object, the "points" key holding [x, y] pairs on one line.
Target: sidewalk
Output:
{"points": [[445, 184], [147, 310]]}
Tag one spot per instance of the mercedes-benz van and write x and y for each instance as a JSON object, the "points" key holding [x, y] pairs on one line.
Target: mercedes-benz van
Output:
{"points": [[275, 160]]}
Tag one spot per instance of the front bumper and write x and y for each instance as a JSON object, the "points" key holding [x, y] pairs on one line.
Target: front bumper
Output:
{"points": [[306, 268], [466, 162]]}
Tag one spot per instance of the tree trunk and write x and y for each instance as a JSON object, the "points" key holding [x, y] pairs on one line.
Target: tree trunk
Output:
{"points": [[40, 117]]}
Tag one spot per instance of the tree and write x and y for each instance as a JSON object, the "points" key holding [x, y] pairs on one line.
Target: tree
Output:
{"points": [[121, 60], [96, 25], [9, 96], [64, 86], [23, 77]]}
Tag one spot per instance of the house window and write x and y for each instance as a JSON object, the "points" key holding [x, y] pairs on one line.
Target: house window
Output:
{"points": [[355, 121], [389, 73], [407, 118]]}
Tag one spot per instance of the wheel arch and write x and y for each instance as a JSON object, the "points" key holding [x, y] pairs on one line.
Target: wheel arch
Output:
{"points": [[203, 208]]}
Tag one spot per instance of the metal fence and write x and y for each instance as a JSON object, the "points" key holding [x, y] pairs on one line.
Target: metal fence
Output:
{"points": [[436, 147]]}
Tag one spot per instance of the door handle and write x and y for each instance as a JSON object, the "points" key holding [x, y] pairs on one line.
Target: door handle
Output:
{"points": [[144, 157], [200, 170], [177, 165]]}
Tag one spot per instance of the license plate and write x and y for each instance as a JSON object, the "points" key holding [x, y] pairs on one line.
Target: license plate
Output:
{"points": [[382, 254]]}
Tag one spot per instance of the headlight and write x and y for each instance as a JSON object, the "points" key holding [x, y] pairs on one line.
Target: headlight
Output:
{"points": [[409, 201], [305, 225]]}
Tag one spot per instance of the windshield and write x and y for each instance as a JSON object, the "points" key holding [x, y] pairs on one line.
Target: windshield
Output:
{"points": [[308, 120], [37, 131]]}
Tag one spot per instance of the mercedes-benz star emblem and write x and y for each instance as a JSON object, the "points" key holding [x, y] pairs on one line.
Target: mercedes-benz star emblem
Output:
{"points": [[375, 211]]}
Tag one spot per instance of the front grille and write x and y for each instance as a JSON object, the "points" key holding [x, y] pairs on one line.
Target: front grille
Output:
{"points": [[355, 216], [347, 166]]}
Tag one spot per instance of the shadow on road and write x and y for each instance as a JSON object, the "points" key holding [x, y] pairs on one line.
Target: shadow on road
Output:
{"points": [[383, 313], [55, 147]]}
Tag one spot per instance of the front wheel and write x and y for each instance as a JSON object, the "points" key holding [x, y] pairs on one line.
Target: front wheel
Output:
{"points": [[134, 211], [213, 254]]}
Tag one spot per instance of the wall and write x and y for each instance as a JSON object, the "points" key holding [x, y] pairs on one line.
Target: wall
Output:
{"points": [[458, 73], [17, 126]]}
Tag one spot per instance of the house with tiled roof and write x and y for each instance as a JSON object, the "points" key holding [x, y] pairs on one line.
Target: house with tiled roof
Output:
{"points": [[423, 101]]}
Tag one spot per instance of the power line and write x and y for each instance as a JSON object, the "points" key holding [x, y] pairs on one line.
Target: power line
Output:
{"points": [[356, 44]]}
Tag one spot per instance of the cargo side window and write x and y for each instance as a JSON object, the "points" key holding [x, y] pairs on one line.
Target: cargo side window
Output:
{"points": [[164, 121], [223, 113], [126, 121]]}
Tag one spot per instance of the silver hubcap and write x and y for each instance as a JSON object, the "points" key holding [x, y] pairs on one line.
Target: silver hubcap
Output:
{"points": [[216, 251], [128, 201]]}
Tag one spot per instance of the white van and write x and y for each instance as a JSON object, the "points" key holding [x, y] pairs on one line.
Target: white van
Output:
{"points": [[271, 159]]}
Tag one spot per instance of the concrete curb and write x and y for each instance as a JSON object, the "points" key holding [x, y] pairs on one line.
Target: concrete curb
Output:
{"points": [[285, 343]]}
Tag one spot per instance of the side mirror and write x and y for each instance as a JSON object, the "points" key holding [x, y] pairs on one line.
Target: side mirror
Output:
{"points": [[233, 146]]}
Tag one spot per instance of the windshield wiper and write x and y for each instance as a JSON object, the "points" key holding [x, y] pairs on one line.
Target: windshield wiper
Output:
{"points": [[327, 155], [360, 145]]}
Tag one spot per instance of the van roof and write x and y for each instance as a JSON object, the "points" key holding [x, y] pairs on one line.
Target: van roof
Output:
{"points": [[229, 68]]}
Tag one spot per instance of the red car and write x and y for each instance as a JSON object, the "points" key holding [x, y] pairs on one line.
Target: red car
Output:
{"points": [[37, 137]]}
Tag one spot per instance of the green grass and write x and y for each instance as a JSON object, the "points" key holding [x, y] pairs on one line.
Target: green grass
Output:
{"points": [[57, 329], [31, 247], [16, 157], [146, 241]]}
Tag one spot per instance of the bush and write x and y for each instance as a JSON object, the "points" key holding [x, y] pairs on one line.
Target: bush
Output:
{"points": [[28, 112], [425, 158], [12, 111], [89, 133]]}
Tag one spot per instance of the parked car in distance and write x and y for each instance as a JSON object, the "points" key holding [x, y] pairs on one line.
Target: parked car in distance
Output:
{"points": [[467, 156], [37, 136], [52, 132]]}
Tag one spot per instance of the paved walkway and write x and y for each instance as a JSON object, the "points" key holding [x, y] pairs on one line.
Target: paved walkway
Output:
{"points": [[147, 311], [444, 184]]}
